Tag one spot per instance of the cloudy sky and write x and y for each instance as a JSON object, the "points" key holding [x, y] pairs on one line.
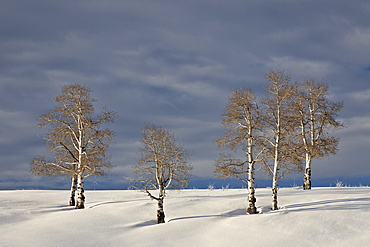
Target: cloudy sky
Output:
{"points": [[173, 63]]}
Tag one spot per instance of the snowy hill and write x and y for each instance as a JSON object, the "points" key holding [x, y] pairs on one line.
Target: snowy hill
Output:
{"points": [[321, 217]]}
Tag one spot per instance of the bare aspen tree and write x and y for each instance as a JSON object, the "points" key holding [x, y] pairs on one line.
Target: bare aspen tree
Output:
{"points": [[163, 164], [241, 119], [280, 125], [76, 140], [316, 116]]}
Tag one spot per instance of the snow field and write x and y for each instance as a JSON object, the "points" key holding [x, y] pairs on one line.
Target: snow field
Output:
{"points": [[320, 217]]}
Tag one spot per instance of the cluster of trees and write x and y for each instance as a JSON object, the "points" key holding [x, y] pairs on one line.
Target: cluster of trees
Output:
{"points": [[75, 138], [281, 132], [79, 144]]}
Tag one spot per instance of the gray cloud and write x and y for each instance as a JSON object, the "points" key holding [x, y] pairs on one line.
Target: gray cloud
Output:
{"points": [[173, 64]]}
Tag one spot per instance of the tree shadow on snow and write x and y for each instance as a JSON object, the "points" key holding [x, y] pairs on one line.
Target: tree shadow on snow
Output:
{"points": [[146, 223], [335, 204], [105, 203], [112, 202], [233, 213], [58, 209]]}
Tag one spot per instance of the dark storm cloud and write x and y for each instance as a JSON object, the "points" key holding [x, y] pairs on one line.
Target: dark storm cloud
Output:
{"points": [[172, 63]]}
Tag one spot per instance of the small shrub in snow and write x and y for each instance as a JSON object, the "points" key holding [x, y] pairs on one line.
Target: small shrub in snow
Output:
{"points": [[227, 187], [211, 186], [339, 184]]}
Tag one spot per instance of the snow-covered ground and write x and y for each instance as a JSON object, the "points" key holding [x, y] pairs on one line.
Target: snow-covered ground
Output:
{"points": [[321, 217]]}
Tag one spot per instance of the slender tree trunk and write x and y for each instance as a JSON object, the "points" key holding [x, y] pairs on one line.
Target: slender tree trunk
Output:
{"points": [[251, 191], [251, 200], [160, 210], [275, 190], [73, 191], [251, 209], [307, 174], [275, 174], [80, 193], [80, 183], [275, 178]]}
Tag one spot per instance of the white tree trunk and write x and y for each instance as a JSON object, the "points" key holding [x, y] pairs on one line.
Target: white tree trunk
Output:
{"points": [[275, 188], [307, 174], [276, 161], [72, 201], [251, 198], [307, 171], [251, 190], [80, 174], [251, 209], [275, 175], [160, 210], [80, 193]]}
